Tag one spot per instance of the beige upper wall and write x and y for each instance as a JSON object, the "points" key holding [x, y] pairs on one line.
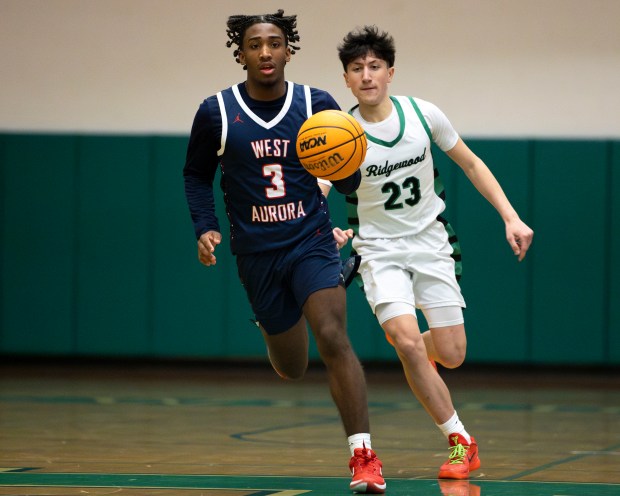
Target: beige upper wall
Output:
{"points": [[498, 68]]}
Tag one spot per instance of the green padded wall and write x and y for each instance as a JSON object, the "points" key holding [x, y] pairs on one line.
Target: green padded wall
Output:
{"points": [[98, 256], [494, 283], [38, 243], [180, 301], [569, 277], [612, 341], [113, 261]]}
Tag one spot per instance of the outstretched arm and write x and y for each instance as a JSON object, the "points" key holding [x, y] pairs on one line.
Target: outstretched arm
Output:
{"points": [[518, 234]]}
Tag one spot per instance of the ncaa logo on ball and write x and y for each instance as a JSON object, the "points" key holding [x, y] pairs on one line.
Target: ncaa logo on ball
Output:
{"points": [[313, 142]]}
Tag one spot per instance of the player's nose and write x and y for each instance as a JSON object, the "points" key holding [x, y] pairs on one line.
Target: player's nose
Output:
{"points": [[265, 52]]}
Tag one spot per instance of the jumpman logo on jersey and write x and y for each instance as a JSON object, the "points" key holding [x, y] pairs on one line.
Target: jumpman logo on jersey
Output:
{"points": [[238, 119]]}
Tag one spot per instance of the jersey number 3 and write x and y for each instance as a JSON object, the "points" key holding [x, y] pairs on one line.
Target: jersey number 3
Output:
{"points": [[411, 184], [277, 189]]}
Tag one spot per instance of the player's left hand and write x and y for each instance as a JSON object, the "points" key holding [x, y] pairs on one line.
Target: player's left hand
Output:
{"points": [[342, 237], [519, 237]]}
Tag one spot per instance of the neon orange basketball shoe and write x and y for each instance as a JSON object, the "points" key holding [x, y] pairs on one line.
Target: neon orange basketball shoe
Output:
{"points": [[463, 458], [366, 472]]}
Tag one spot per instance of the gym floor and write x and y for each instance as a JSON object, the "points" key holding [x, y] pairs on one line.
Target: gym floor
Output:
{"points": [[80, 427]]}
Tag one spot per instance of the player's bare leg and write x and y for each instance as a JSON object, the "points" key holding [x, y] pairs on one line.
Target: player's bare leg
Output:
{"points": [[326, 314], [288, 353], [425, 383], [431, 390]]}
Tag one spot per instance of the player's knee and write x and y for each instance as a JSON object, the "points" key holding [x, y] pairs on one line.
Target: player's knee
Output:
{"points": [[451, 357], [407, 344], [332, 344], [449, 343]]}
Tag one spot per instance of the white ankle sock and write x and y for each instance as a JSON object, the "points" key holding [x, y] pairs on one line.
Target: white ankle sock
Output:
{"points": [[454, 425], [359, 441]]}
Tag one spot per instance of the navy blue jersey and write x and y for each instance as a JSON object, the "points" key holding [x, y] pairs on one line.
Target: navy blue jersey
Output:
{"points": [[271, 200]]}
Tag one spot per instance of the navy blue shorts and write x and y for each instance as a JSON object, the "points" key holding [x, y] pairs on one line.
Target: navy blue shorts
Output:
{"points": [[279, 282]]}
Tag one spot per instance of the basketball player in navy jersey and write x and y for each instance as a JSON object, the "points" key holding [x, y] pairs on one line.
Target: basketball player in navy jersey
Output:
{"points": [[280, 228]]}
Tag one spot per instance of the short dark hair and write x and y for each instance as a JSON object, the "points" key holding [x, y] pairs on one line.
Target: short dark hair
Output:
{"points": [[238, 24], [362, 41]]}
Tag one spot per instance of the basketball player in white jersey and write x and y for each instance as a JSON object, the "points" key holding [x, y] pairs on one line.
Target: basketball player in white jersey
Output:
{"points": [[409, 255]]}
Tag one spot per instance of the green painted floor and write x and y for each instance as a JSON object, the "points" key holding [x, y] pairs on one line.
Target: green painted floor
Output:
{"points": [[289, 486]]}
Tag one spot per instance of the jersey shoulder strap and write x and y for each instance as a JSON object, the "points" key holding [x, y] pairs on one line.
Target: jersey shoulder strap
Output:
{"points": [[422, 119], [308, 96]]}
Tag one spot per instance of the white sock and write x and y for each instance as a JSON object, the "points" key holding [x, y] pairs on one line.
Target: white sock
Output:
{"points": [[454, 426], [361, 440]]}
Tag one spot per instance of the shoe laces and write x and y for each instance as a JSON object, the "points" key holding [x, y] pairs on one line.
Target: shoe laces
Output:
{"points": [[457, 453], [365, 460]]}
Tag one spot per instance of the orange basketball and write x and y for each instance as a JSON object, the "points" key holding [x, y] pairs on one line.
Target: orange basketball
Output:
{"points": [[331, 145]]}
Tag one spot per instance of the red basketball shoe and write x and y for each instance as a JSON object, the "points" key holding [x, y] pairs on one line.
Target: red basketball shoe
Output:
{"points": [[463, 458], [366, 472]]}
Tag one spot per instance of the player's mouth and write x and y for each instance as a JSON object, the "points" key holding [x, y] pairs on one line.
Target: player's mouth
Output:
{"points": [[367, 89], [267, 69]]}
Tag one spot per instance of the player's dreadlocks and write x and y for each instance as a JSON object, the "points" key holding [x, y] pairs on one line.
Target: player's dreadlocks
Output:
{"points": [[238, 24]]}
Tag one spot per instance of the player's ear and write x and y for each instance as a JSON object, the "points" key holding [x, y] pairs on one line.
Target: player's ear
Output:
{"points": [[288, 54], [346, 79], [241, 57], [390, 74]]}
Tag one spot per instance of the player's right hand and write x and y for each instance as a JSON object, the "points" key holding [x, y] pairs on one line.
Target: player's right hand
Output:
{"points": [[206, 246]]}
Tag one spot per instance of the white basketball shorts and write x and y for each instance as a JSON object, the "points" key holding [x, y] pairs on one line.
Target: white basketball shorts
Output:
{"points": [[414, 269]]}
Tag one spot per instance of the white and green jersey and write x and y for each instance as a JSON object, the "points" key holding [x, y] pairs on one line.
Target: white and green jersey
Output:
{"points": [[400, 193]]}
